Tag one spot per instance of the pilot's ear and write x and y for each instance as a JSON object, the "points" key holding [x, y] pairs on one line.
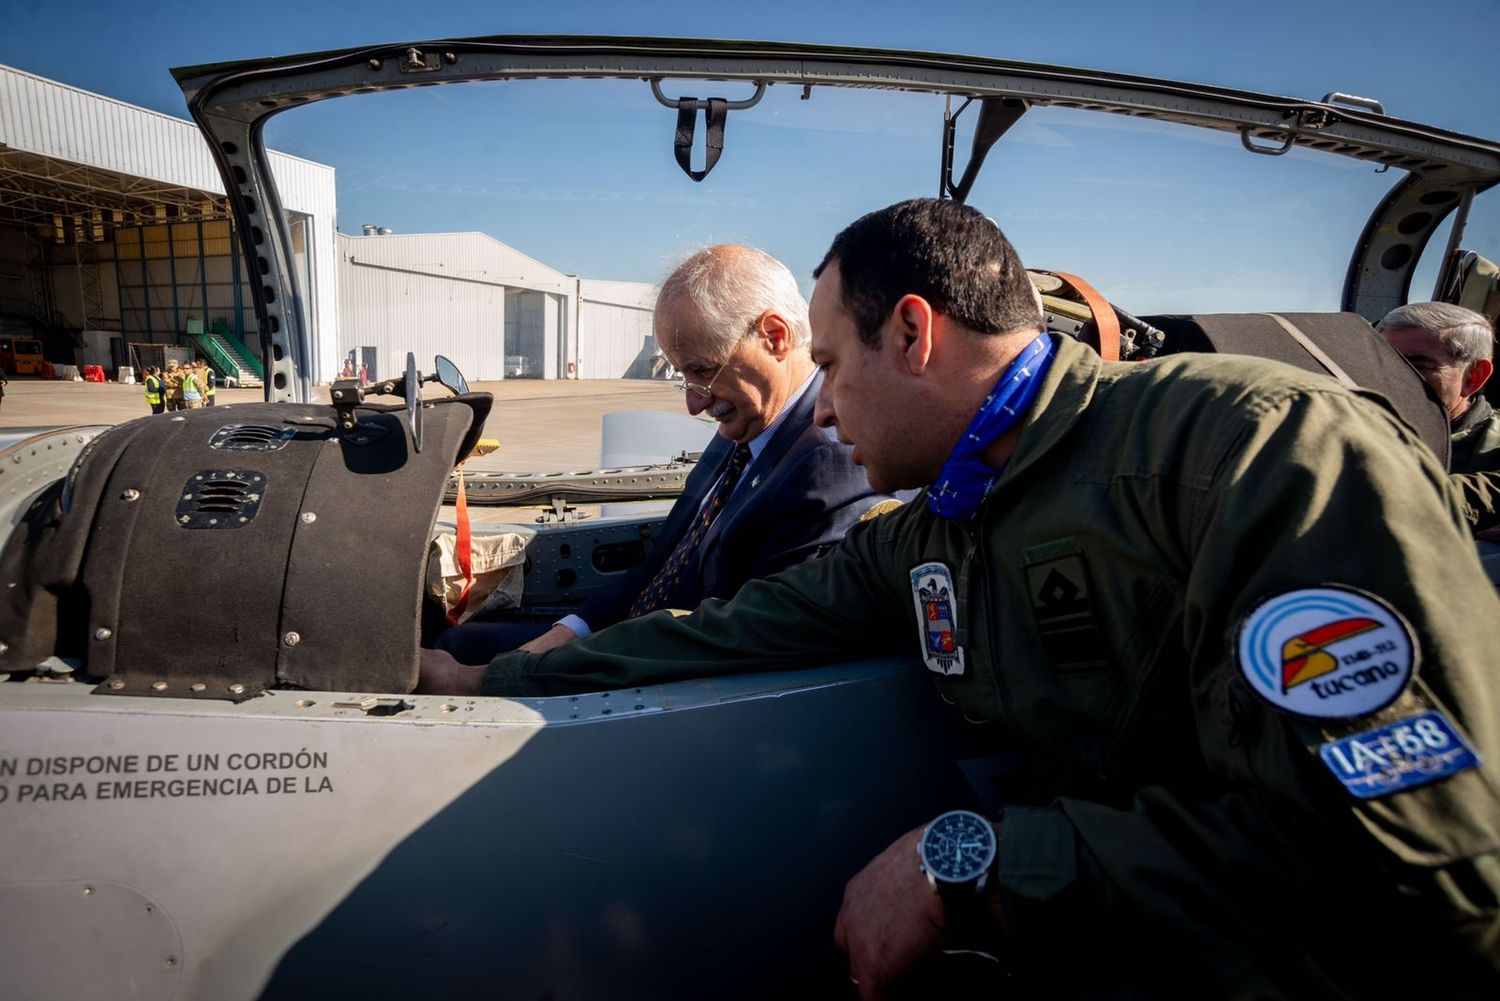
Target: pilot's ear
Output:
{"points": [[912, 320]]}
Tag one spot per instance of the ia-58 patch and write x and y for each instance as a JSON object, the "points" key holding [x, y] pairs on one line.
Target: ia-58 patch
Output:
{"points": [[1410, 752]]}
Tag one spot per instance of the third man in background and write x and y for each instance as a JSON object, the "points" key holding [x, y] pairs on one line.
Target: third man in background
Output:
{"points": [[1452, 348]]}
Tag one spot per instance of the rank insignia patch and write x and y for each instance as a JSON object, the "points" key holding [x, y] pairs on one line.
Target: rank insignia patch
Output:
{"points": [[1326, 652], [1410, 752], [937, 618]]}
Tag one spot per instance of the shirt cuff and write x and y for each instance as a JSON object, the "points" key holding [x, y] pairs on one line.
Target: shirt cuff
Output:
{"points": [[580, 628]]}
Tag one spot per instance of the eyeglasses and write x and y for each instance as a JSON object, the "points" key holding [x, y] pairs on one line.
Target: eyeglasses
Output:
{"points": [[707, 392]]}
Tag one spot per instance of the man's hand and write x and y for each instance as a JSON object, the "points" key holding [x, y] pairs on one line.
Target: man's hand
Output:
{"points": [[440, 674], [558, 635], [891, 920]]}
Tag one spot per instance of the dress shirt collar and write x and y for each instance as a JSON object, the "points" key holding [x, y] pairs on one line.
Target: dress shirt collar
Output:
{"points": [[759, 442]]}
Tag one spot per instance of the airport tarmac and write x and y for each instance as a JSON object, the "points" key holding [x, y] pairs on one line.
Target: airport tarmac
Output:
{"points": [[542, 425]]}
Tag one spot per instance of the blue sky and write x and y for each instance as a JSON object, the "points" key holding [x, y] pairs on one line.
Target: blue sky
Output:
{"points": [[1160, 218]]}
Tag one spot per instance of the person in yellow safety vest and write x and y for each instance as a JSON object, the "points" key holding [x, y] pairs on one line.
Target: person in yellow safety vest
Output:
{"points": [[155, 390], [192, 388], [210, 382], [174, 385]]}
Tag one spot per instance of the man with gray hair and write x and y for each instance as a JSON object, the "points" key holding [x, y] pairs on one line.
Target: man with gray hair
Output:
{"points": [[770, 491], [1452, 348]]}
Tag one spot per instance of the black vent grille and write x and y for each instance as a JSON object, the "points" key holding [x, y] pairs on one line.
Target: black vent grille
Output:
{"points": [[252, 437], [220, 498]]}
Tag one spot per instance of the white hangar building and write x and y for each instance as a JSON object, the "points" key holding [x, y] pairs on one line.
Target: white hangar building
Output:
{"points": [[115, 238], [494, 311], [114, 231]]}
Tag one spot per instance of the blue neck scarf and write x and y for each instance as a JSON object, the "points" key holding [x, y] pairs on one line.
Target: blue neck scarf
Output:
{"points": [[965, 478]]}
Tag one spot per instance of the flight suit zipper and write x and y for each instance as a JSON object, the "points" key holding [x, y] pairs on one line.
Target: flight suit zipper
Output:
{"points": [[975, 578], [964, 606]]}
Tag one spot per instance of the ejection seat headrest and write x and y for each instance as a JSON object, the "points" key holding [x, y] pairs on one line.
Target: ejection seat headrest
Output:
{"points": [[1346, 339]]}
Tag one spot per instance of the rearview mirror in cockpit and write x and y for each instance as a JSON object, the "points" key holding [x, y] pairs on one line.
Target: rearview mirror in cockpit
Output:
{"points": [[449, 375]]}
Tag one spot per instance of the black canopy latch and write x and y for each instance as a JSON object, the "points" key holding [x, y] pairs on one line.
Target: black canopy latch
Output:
{"points": [[716, 113]]}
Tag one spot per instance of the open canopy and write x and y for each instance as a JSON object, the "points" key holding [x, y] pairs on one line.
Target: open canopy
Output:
{"points": [[232, 101]]}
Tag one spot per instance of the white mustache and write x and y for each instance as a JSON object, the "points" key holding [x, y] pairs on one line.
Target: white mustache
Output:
{"points": [[720, 409]]}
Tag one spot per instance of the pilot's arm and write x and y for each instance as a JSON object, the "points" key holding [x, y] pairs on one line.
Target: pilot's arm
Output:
{"points": [[818, 496], [820, 611]]}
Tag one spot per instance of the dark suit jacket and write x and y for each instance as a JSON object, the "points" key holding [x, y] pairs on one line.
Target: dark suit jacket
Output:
{"points": [[801, 494]]}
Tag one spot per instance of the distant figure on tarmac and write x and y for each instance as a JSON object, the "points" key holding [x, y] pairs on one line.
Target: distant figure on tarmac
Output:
{"points": [[192, 388], [3, 383], [209, 379], [364, 374], [156, 390], [174, 386]]}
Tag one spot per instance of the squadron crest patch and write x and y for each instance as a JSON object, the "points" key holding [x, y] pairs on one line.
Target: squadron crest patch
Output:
{"points": [[937, 618], [1326, 652]]}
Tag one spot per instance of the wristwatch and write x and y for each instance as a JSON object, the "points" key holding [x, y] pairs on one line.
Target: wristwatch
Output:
{"points": [[957, 852]]}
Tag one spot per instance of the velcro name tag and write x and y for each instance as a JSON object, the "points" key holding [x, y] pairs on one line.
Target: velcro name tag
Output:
{"points": [[1401, 755]]}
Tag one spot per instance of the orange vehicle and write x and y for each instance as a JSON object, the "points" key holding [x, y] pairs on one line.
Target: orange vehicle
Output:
{"points": [[20, 355]]}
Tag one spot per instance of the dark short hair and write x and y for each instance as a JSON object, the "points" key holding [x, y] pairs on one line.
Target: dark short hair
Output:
{"points": [[947, 253]]}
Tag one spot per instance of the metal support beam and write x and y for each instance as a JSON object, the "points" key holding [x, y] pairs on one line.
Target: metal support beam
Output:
{"points": [[172, 275], [120, 300], [145, 286], [234, 273], [203, 275]]}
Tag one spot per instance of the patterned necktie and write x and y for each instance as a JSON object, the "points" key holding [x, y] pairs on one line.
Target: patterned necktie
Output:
{"points": [[664, 584]]}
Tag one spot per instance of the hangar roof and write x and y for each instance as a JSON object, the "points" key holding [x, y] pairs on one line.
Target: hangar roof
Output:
{"points": [[95, 163]]}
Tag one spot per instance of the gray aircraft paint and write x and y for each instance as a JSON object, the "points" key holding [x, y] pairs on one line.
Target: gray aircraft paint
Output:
{"points": [[487, 834], [241, 877]]}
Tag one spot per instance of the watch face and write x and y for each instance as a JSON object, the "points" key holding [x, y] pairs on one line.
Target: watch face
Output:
{"points": [[958, 847]]}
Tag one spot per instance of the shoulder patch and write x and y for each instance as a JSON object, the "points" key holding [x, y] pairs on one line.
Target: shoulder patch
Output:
{"points": [[1327, 652], [937, 618], [884, 507], [1409, 752]]}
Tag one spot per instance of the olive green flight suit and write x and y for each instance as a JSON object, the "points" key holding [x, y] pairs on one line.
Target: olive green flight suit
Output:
{"points": [[1475, 463], [1195, 839]]}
